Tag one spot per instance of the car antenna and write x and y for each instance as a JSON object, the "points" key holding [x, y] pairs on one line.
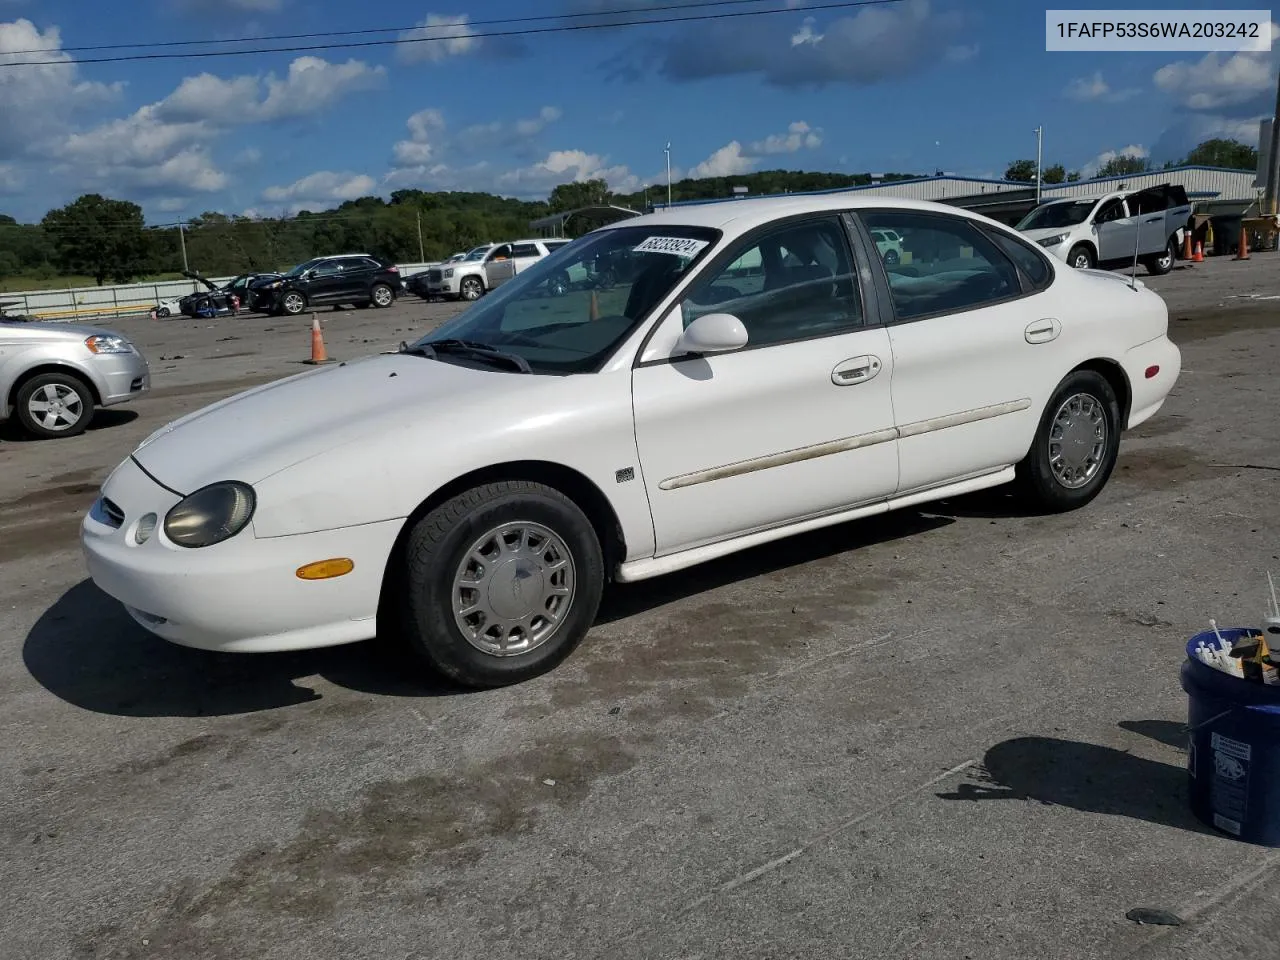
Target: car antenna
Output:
{"points": [[1133, 272]]}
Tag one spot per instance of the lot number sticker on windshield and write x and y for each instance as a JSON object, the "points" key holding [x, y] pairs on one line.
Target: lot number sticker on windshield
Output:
{"points": [[680, 246]]}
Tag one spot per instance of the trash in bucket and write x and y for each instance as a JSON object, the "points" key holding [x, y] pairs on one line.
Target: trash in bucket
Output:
{"points": [[1233, 720]]}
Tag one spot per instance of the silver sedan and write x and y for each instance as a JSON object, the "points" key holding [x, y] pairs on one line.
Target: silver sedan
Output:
{"points": [[55, 376]]}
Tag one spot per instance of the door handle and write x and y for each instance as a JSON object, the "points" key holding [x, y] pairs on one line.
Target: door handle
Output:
{"points": [[855, 370], [1042, 331]]}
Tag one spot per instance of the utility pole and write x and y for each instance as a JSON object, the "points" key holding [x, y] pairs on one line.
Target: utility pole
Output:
{"points": [[183, 241], [1039, 154], [1269, 198], [667, 150], [422, 255]]}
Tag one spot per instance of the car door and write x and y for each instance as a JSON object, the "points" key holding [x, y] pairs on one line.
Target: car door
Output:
{"points": [[325, 282], [1152, 208], [498, 268], [1116, 230], [523, 256], [355, 280], [974, 328], [796, 424]]}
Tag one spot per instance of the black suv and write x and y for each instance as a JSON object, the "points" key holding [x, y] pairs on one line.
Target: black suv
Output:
{"points": [[357, 279]]}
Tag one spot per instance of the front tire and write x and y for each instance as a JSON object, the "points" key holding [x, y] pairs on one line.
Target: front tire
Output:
{"points": [[501, 583], [1075, 446], [293, 303], [471, 289], [53, 405], [1081, 257]]}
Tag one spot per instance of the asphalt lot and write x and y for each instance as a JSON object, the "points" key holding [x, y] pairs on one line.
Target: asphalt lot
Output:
{"points": [[947, 733]]}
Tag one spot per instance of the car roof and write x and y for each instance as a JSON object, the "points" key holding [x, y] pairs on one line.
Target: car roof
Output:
{"points": [[738, 216]]}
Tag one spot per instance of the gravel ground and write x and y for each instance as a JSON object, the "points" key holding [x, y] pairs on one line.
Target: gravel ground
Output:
{"points": [[953, 732]]}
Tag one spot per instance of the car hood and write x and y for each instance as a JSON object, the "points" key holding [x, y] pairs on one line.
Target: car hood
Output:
{"points": [[254, 434]]}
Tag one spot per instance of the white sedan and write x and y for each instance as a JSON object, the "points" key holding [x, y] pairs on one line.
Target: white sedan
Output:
{"points": [[475, 490]]}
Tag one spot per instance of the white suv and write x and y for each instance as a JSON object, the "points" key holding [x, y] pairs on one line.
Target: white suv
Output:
{"points": [[507, 259]]}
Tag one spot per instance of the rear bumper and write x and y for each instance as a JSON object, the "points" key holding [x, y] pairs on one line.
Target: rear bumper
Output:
{"points": [[1150, 392]]}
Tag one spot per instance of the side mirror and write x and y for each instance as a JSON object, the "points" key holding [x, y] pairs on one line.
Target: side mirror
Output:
{"points": [[712, 333]]}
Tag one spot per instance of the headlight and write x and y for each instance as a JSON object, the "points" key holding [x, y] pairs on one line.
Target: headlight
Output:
{"points": [[211, 514], [1053, 241], [106, 343], [449, 272]]}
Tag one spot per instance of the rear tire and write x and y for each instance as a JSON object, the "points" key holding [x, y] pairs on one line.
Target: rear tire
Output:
{"points": [[539, 596], [382, 295], [53, 405], [1160, 265]]}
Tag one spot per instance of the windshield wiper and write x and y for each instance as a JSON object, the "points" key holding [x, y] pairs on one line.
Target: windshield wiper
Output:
{"points": [[471, 347]]}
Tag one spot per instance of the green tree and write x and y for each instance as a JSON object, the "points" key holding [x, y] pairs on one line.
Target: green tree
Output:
{"points": [[1122, 166], [1220, 152], [1073, 176], [571, 196], [1055, 174], [1023, 171], [99, 237]]}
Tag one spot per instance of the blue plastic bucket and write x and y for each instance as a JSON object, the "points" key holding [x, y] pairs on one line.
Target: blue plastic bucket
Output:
{"points": [[1233, 762]]}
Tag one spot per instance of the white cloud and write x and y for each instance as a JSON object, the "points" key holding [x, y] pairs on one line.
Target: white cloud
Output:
{"points": [[11, 179], [424, 126], [437, 38], [311, 85], [806, 34], [567, 166], [962, 53], [728, 161], [1096, 89], [321, 189], [1102, 159], [38, 102], [486, 136], [799, 136], [1217, 80]]}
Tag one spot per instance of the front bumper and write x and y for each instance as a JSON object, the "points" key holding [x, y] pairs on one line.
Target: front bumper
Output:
{"points": [[120, 376], [241, 595]]}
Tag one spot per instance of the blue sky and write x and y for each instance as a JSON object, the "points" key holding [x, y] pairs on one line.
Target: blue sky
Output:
{"points": [[910, 86]]}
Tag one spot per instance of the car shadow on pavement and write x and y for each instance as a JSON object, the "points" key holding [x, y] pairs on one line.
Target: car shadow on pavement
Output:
{"points": [[1087, 778], [11, 432], [625, 600], [88, 651]]}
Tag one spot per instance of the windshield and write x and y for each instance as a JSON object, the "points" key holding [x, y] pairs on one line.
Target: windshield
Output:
{"points": [[1064, 214], [478, 253], [568, 311], [302, 268]]}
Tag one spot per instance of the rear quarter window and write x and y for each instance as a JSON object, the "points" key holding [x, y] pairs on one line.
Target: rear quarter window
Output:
{"points": [[1030, 261]]}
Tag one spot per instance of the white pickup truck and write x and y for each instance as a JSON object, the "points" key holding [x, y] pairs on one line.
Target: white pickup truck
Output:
{"points": [[1106, 231]]}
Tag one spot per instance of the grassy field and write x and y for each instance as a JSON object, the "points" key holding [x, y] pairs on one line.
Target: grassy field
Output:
{"points": [[25, 282]]}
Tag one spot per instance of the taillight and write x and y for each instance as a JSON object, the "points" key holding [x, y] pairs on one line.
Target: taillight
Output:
{"points": [[393, 269]]}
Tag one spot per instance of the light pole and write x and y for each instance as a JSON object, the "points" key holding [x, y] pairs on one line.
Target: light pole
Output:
{"points": [[667, 151], [1039, 141]]}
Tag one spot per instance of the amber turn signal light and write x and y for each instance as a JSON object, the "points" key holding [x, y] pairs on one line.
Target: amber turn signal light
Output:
{"points": [[325, 569]]}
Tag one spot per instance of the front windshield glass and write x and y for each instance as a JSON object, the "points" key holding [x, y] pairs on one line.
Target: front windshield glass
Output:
{"points": [[568, 311], [302, 268], [1057, 215], [477, 253]]}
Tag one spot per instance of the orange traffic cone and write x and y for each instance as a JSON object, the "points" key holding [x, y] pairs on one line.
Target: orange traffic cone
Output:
{"points": [[595, 306], [1199, 254], [1186, 245], [318, 354], [1243, 252]]}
